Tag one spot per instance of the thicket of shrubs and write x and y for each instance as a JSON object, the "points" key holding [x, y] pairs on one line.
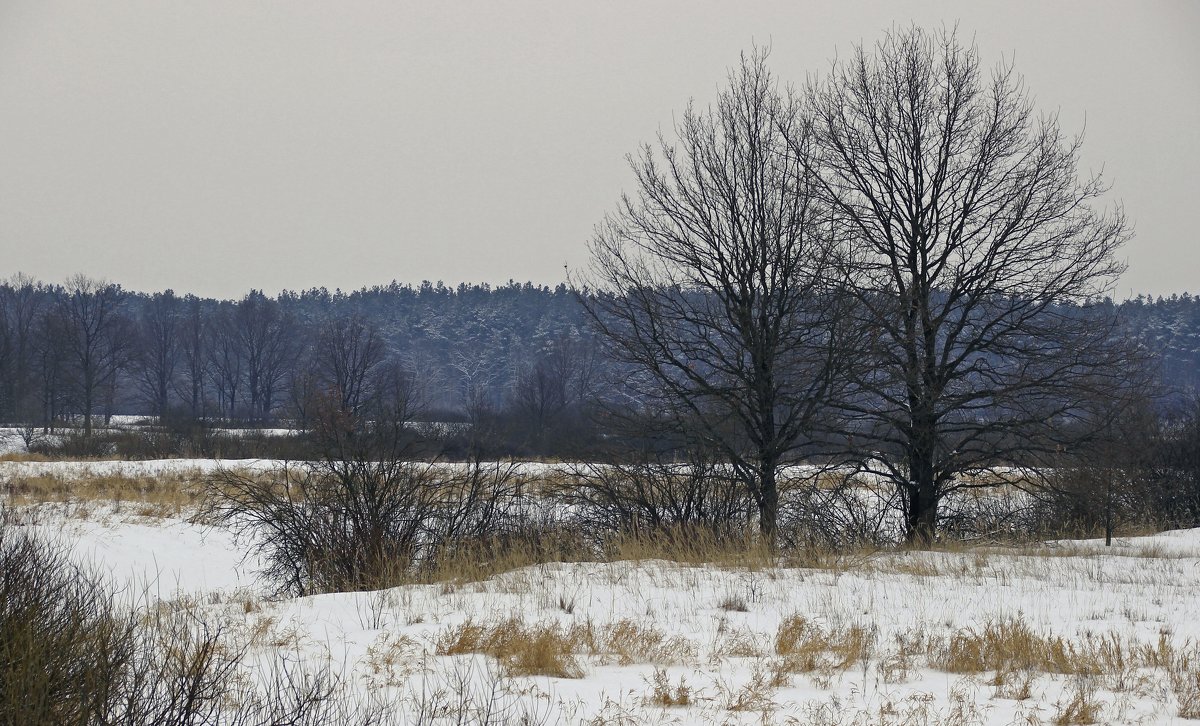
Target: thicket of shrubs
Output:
{"points": [[367, 515], [170, 439], [73, 652]]}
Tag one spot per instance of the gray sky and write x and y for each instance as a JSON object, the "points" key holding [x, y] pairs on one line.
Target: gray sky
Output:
{"points": [[221, 145]]}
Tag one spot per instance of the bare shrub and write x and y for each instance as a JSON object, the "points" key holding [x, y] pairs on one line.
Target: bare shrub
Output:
{"points": [[366, 513], [75, 444], [362, 524], [71, 653], [837, 510], [648, 496], [61, 639]]}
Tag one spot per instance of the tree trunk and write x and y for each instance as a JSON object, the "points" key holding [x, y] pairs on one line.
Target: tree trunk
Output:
{"points": [[1108, 508], [921, 517], [768, 507], [87, 406]]}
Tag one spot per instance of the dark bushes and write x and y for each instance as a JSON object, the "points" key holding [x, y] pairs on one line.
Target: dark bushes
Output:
{"points": [[72, 654], [363, 512], [62, 641], [171, 439], [365, 524], [653, 494]]}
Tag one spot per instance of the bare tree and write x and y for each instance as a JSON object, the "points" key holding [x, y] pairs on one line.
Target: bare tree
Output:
{"points": [[555, 383], [97, 337], [710, 282], [159, 349], [345, 356], [50, 365], [266, 335], [478, 372], [195, 333], [973, 252], [226, 360]]}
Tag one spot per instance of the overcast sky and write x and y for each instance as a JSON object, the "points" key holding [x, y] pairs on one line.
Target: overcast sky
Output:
{"points": [[213, 146]]}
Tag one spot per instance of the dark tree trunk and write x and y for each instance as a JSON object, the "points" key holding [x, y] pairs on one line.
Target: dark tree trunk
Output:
{"points": [[921, 517], [923, 500], [768, 507]]}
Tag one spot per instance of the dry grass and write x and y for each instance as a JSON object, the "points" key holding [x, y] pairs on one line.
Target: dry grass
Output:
{"points": [[1009, 647], [1183, 674], [804, 647], [1004, 646], [522, 650], [23, 456], [159, 495], [692, 546], [667, 695], [551, 649], [479, 560], [1081, 707], [734, 602], [392, 659], [755, 695], [1014, 685], [626, 642]]}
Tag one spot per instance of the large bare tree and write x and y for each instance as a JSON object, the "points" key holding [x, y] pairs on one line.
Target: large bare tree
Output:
{"points": [[556, 381], [266, 335], [195, 337], [346, 355], [974, 250], [160, 349], [710, 282], [97, 336]]}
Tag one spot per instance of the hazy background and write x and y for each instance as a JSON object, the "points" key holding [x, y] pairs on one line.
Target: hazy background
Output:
{"points": [[221, 145]]}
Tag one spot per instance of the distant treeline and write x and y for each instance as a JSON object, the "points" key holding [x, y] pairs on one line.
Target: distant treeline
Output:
{"points": [[91, 347]]}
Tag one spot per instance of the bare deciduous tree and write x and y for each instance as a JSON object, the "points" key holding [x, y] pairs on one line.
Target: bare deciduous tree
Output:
{"points": [[266, 335], [557, 381], [195, 333], [226, 360], [973, 251], [50, 361], [710, 282], [345, 356], [97, 337], [159, 349]]}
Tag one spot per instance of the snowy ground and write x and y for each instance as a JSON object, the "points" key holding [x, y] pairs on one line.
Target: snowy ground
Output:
{"points": [[711, 629], [659, 642]]}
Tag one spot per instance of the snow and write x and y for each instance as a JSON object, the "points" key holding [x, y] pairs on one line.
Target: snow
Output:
{"points": [[169, 557], [1141, 589]]}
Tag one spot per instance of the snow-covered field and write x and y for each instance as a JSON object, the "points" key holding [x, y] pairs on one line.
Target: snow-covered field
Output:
{"points": [[870, 638]]}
